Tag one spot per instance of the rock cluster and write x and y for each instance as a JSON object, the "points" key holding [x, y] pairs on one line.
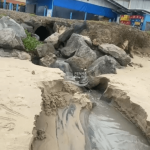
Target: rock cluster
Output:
{"points": [[66, 42]]}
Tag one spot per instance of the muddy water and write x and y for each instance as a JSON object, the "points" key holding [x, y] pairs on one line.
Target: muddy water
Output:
{"points": [[109, 130]]}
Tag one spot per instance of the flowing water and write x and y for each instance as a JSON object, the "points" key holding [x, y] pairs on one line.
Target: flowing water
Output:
{"points": [[108, 130]]}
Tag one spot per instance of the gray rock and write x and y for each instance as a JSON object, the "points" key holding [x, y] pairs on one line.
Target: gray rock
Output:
{"points": [[83, 58], [53, 39], [62, 65], [66, 35], [75, 28], [15, 53], [27, 27], [116, 52], [45, 49], [36, 36], [23, 55], [48, 60], [103, 65], [79, 27], [7, 22], [9, 40], [75, 42]]}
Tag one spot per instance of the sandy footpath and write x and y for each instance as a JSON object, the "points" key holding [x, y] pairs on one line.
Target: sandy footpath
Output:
{"points": [[20, 100], [135, 81]]}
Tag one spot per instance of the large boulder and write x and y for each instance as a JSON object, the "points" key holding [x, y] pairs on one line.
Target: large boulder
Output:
{"points": [[48, 60], [103, 65], [83, 58], [75, 42], [53, 39], [7, 22], [62, 65], [116, 52], [9, 40], [44, 49], [14, 53]]}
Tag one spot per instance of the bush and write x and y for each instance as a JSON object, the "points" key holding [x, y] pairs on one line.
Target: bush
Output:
{"points": [[30, 42]]}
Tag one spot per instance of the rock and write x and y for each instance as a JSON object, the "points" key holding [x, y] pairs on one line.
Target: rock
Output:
{"points": [[23, 55], [83, 58], [56, 27], [9, 40], [116, 52], [36, 36], [103, 65], [79, 27], [27, 27], [62, 65], [124, 46], [48, 60], [62, 29], [75, 42], [76, 28], [66, 35], [95, 42], [33, 72], [14, 53], [7, 22], [53, 39], [45, 49], [87, 40]]}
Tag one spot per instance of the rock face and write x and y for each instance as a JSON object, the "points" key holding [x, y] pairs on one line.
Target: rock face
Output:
{"points": [[116, 52], [103, 65], [48, 60], [84, 55], [7, 22], [45, 49], [9, 40], [65, 67], [53, 39], [15, 53]]}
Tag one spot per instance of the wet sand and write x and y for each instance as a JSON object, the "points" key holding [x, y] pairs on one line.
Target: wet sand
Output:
{"points": [[110, 130]]}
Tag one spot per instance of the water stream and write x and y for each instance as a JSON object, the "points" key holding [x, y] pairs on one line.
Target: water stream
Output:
{"points": [[108, 130]]}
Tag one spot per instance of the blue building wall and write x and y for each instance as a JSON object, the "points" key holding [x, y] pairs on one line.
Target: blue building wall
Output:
{"points": [[146, 19], [69, 6]]}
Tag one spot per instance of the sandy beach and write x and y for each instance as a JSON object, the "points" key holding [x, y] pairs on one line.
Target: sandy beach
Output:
{"points": [[20, 100]]}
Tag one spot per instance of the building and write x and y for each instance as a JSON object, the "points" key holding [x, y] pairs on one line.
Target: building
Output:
{"points": [[73, 9], [136, 7], [18, 5]]}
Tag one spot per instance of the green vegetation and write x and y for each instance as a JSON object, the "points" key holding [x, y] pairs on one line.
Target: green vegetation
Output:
{"points": [[30, 42], [33, 15], [148, 32], [1, 15]]}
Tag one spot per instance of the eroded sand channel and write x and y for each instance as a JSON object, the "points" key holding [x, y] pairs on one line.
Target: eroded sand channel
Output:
{"points": [[109, 130]]}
